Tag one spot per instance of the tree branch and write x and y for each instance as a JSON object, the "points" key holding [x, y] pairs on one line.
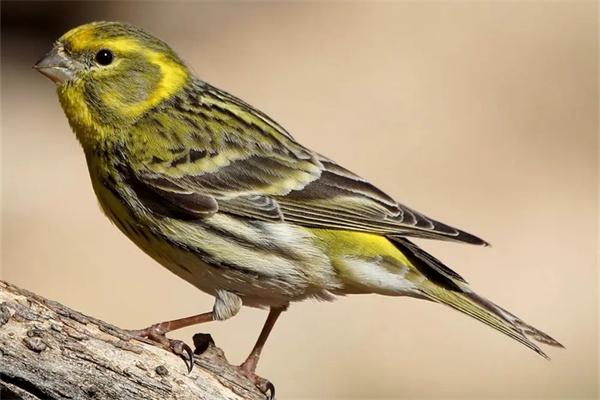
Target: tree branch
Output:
{"points": [[48, 351]]}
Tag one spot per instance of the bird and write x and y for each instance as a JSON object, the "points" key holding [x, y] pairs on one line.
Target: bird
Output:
{"points": [[227, 199]]}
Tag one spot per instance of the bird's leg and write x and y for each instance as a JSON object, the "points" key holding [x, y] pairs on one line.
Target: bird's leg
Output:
{"points": [[157, 333], [248, 367], [162, 328], [227, 304]]}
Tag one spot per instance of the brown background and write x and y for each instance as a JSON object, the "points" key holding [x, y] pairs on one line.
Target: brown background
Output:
{"points": [[483, 114]]}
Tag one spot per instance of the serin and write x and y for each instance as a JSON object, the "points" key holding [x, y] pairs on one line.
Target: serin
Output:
{"points": [[225, 198]]}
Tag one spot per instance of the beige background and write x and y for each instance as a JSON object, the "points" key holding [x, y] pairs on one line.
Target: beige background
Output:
{"points": [[482, 114]]}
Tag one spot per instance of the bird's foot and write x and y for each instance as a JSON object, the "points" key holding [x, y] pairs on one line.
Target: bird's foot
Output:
{"points": [[264, 385], [156, 333]]}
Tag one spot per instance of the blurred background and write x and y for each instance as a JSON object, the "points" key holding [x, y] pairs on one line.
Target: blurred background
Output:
{"points": [[481, 114]]}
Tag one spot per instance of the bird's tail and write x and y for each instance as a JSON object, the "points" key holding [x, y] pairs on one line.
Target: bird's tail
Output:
{"points": [[489, 313]]}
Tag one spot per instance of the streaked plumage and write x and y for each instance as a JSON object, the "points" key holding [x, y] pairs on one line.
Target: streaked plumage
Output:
{"points": [[227, 199]]}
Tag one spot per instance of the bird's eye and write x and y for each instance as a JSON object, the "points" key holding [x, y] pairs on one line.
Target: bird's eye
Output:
{"points": [[104, 57]]}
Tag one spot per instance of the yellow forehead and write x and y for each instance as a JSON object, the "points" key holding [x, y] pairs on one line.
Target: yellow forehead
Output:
{"points": [[85, 37], [82, 37]]}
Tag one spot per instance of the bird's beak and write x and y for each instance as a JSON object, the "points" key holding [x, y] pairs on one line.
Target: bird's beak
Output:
{"points": [[56, 66]]}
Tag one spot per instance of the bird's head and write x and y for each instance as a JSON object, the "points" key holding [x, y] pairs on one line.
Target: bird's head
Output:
{"points": [[110, 73]]}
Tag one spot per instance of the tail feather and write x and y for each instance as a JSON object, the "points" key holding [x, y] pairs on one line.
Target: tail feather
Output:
{"points": [[492, 315]]}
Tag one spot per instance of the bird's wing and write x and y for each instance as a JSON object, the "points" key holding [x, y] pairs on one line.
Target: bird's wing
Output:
{"points": [[339, 199], [236, 160]]}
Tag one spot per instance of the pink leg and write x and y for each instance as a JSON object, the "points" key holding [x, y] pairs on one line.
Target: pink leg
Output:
{"points": [[157, 333], [248, 367]]}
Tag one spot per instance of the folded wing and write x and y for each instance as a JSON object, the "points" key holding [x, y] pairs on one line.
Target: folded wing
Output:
{"points": [[255, 169]]}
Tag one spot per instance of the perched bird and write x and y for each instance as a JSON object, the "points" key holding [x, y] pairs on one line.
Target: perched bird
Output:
{"points": [[224, 197]]}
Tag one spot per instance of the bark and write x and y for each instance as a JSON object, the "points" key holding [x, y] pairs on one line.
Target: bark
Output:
{"points": [[48, 351]]}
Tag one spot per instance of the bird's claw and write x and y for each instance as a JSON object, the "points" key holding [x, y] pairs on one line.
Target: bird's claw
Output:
{"points": [[178, 347], [262, 384], [265, 386], [184, 351], [268, 390]]}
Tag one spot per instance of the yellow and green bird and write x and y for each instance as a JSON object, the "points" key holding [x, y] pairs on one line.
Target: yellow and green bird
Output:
{"points": [[224, 197]]}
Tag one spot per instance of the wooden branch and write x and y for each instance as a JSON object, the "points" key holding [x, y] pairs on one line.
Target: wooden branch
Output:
{"points": [[48, 351]]}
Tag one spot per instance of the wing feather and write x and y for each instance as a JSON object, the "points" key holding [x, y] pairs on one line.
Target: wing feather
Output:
{"points": [[258, 171]]}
